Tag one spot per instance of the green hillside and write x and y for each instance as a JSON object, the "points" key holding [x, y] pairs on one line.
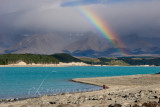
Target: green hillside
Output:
{"points": [[123, 61], [62, 57], [6, 59], [27, 58]]}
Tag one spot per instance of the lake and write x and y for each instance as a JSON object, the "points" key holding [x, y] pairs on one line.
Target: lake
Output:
{"points": [[22, 82]]}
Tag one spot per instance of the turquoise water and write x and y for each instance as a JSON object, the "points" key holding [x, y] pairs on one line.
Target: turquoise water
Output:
{"points": [[24, 82]]}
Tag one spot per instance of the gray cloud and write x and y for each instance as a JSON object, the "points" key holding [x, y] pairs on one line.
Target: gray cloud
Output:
{"points": [[140, 17]]}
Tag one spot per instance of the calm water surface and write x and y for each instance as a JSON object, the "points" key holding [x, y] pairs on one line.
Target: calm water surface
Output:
{"points": [[33, 81]]}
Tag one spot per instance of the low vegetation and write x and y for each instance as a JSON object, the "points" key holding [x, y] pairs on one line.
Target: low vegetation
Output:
{"points": [[123, 61], [62, 57], [27, 58], [141, 61], [6, 59]]}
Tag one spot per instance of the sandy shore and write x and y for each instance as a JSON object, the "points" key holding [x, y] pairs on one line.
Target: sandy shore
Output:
{"points": [[124, 90], [61, 64], [23, 64]]}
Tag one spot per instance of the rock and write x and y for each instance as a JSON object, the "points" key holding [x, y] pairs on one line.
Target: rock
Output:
{"points": [[15, 99], [10, 106], [136, 101], [153, 97], [68, 102], [125, 96], [109, 98], [135, 105], [94, 99], [150, 91], [151, 104], [159, 100], [137, 95], [126, 105], [44, 105], [156, 97], [9, 100], [52, 102], [101, 97], [115, 105], [86, 98], [24, 106], [64, 105]]}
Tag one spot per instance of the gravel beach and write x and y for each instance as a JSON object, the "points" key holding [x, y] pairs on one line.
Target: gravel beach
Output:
{"points": [[123, 91]]}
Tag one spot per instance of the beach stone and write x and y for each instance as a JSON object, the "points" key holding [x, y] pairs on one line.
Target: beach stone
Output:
{"points": [[15, 99], [131, 94], [142, 95], [100, 98], [153, 97], [135, 105], [10, 106], [109, 98], [44, 105], [137, 95], [24, 106], [52, 102], [151, 104], [86, 98], [136, 101], [94, 99], [150, 91], [125, 96], [115, 105], [64, 105], [126, 105], [159, 100]]}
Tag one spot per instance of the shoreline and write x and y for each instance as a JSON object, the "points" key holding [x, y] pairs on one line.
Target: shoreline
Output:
{"points": [[45, 65], [61, 64], [132, 89], [77, 81]]}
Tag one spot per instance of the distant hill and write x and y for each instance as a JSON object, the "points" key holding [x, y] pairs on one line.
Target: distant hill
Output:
{"points": [[66, 58], [90, 42], [123, 61], [43, 43], [39, 44], [1, 50], [27, 58], [142, 45], [83, 44], [6, 59]]}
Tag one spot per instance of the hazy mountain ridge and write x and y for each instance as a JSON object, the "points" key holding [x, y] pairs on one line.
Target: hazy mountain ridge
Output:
{"points": [[41, 44], [83, 44], [89, 42]]}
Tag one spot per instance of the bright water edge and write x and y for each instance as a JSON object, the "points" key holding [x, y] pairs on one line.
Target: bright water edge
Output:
{"points": [[25, 82]]}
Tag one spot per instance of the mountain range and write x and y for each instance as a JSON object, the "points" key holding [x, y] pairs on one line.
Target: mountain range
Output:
{"points": [[82, 44]]}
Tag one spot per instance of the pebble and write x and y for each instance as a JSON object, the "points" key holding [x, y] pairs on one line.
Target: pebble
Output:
{"points": [[159, 100], [115, 105], [135, 97], [24, 106], [52, 102], [10, 106]]}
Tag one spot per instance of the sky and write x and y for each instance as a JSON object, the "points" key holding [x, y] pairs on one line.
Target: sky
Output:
{"points": [[124, 17]]}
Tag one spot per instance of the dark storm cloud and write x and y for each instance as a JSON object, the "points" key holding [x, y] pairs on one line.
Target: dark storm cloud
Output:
{"points": [[24, 16], [89, 2]]}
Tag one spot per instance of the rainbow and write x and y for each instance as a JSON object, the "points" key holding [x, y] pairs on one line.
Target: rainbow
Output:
{"points": [[103, 29]]}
